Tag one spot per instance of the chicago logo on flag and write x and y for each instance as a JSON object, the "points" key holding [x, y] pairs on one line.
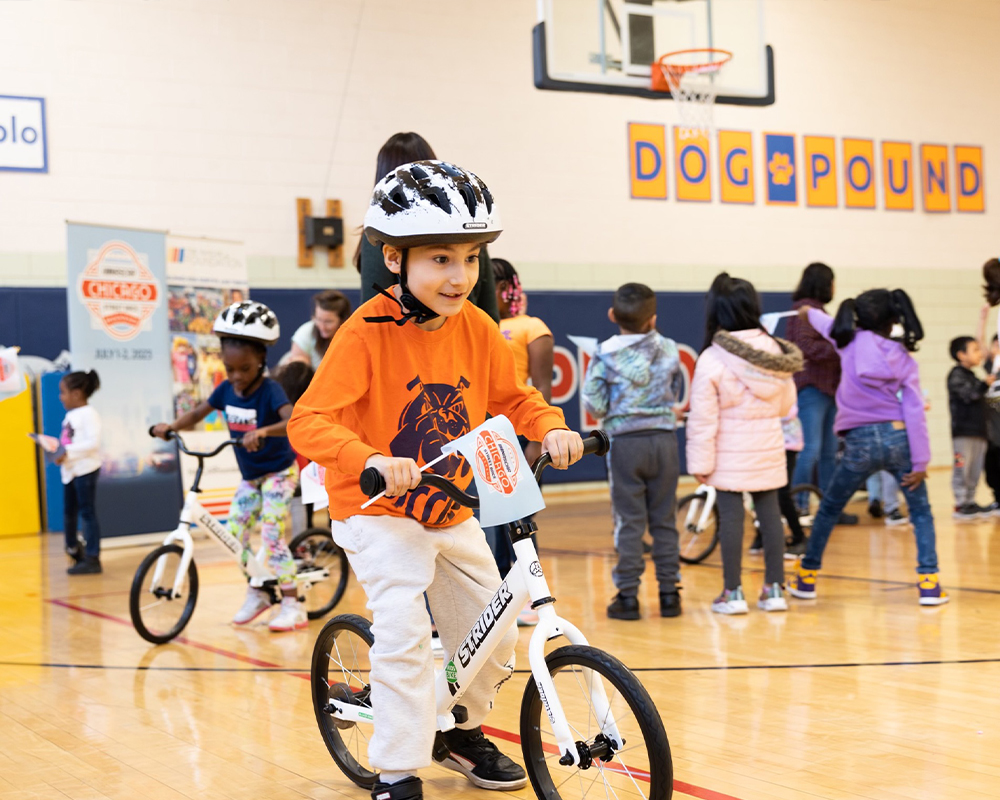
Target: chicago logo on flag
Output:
{"points": [[496, 461]]}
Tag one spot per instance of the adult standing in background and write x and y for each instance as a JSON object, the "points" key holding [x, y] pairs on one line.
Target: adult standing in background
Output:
{"points": [[816, 384], [399, 149], [311, 339]]}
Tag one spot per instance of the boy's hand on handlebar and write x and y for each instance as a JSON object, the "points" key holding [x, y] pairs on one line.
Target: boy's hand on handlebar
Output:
{"points": [[254, 440], [401, 474], [913, 479], [563, 447], [161, 429]]}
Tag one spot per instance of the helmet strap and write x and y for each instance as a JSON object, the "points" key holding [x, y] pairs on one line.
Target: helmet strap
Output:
{"points": [[411, 307]]}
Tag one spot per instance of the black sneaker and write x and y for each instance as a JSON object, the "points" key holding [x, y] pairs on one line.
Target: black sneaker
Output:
{"points": [[76, 553], [623, 607], [407, 789], [847, 519], [894, 518], [795, 549], [88, 566], [478, 759], [875, 509], [670, 604], [970, 511]]}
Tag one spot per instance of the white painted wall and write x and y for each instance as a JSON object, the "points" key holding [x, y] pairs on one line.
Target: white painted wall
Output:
{"points": [[208, 117]]}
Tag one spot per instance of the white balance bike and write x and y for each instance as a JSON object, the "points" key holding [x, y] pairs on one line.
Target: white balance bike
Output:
{"points": [[585, 717], [165, 587]]}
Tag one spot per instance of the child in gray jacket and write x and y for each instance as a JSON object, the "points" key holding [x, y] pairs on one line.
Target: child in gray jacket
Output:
{"points": [[633, 384]]}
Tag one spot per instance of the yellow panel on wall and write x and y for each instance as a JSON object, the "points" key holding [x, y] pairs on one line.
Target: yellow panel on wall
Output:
{"points": [[18, 474]]}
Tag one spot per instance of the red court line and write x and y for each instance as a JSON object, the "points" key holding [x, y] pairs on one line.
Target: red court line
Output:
{"points": [[679, 786], [181, 639]]}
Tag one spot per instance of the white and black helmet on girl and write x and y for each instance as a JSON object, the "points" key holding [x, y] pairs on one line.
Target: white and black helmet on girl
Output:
{"points": [[423, 203], [249, 321]]}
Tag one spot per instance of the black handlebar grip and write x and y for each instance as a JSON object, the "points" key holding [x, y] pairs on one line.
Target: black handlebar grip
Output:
{"points": [[170, 434], [598, 443], [372, 482], [151, 431]]}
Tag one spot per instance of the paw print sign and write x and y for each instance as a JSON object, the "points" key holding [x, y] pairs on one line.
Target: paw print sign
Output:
{"points": [[781, 174]]}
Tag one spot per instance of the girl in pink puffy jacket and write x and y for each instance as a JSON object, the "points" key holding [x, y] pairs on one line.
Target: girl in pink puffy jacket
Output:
{"points": [[742, 388]]}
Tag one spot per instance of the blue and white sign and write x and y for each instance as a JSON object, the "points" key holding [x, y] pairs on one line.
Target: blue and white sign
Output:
{"points": [[23, 145]]}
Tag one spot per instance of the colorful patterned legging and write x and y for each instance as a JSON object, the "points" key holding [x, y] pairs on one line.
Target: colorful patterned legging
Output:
{"points": [[268, 499]]}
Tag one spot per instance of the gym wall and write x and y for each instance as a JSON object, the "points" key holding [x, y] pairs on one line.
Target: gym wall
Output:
{"points": [[209, 118]]}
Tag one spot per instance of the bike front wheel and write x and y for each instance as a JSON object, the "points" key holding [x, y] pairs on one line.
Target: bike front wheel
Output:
{"points": [[341, 668], [157, 613], [314, 548], [638, 767], [697, 540]]}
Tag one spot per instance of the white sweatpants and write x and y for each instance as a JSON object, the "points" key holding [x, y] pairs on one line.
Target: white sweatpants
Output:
{"points": [[397, 560]]}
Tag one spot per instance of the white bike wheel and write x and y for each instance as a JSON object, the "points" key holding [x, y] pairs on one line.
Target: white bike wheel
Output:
{"points": [[640, 767], [159, 616], [341, 666]]}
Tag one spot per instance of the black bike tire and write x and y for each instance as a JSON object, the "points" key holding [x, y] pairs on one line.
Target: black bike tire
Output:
{"points": [[810, 488], [319, 672], [341, 586], [135, 596], [661, 768], [713, 542]]}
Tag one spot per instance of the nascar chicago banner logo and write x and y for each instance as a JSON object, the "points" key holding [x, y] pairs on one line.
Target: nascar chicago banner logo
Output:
{"points": [[119, 291], [497, 461]]}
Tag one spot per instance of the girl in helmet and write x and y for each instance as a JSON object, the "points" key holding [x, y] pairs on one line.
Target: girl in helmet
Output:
{"points": [[257, 411]]}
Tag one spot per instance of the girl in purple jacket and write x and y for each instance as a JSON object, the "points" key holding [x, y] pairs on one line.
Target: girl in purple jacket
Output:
{"points": [[880, 416]]}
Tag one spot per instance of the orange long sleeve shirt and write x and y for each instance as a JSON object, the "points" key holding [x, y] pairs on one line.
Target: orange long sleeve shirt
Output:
{"points": [[404, 392]]}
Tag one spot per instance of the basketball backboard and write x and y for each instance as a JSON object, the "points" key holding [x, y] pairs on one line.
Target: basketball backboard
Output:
{"points": [[611, 46]]}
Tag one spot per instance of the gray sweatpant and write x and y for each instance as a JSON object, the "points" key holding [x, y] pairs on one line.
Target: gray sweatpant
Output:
{"points": [[772, 534], [970, 455], [644, 468]]}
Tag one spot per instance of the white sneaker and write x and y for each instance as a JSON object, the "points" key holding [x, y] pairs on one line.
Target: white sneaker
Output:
{"points": [[292, 616], [730, 602], [257, 603], [772, 598]]}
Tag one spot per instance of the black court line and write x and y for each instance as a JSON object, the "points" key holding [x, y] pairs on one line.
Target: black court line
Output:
{"points": [[713, 668], [757, 570]]}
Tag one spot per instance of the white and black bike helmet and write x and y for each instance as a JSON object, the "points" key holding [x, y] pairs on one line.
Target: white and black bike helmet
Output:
{"points": [[250, 321], [428, 202]]}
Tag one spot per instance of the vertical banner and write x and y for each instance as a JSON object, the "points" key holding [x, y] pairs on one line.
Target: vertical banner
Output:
{"points": [[934, 178], [859, 173], [970, 195], [736, 167], [647, 160], [203, 277], [692, 165], [116, 286], [779, 159], [897, 176], [820, 156]]}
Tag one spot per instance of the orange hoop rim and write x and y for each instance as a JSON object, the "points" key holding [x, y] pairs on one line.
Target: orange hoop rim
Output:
{"points": [[718, 58]]}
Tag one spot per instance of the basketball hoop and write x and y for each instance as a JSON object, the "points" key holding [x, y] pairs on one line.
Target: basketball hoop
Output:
{"points": [[689, 76]]}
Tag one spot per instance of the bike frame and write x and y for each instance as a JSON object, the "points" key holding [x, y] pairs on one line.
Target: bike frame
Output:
{"points": [[708, 492], [524, 581]]}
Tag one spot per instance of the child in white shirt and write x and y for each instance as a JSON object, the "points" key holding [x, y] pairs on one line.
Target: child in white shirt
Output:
{"points": [[81, 464]]}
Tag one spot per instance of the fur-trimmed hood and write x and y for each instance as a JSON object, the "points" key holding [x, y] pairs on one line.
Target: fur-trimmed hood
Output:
{"points": [[760, 362]]}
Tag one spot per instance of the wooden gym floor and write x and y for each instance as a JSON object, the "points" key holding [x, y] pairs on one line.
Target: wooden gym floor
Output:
{"points": [[860, 694]]}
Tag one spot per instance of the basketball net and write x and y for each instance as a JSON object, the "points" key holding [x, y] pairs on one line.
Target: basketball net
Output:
{"points": [[691, 76]]}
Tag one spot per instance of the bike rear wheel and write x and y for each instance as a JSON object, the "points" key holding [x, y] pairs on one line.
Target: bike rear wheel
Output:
{"points": [[341, 666], [314, 548], [159, 616], [638, 767], [697, 541]]}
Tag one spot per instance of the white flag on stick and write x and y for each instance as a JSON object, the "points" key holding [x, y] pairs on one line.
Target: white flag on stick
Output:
{"points": [[314, 486], [769, 321], [507, 488]]}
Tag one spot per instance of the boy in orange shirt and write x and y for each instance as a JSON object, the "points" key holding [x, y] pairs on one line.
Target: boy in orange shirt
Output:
{"points": [[388, 395]]}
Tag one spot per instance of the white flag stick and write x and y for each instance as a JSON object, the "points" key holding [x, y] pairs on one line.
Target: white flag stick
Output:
{"points": [[770, 320], [429, 464]]}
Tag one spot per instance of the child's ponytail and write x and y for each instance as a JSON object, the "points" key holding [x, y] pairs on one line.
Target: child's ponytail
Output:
{"points": [[86, 382], [903, 308], [844, 324]]}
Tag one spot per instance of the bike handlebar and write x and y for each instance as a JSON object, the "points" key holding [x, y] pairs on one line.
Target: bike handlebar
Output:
{"points": [[173, 435], [372, 481]]}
